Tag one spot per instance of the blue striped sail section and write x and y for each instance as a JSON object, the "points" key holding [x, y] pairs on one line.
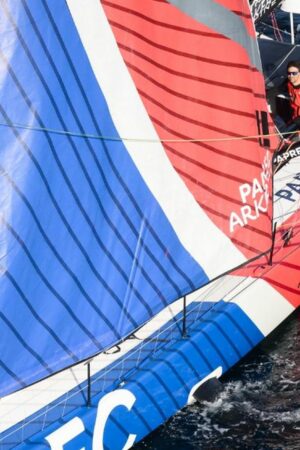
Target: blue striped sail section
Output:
{"points": [[220, 334], [87, 254]]}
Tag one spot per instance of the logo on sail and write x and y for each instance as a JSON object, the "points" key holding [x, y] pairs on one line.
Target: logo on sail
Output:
{"points": [[254, 196], [67, 432]]}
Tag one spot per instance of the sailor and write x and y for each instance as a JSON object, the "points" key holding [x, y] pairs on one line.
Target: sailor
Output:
{"points": [[293, 86]]}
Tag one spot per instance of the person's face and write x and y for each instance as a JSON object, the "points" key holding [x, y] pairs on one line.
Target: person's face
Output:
{"points": [[293, 75]]}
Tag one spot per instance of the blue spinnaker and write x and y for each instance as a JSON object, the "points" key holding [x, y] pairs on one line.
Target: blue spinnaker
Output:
{"points": [[87, 254]]}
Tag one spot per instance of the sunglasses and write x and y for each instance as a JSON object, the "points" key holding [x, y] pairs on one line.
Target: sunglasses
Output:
{"points": [[292, 74]]}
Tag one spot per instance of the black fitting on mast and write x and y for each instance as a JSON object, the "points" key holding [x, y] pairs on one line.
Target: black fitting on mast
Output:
{"points": [[88, 400], [287, 236], [273, 243]]}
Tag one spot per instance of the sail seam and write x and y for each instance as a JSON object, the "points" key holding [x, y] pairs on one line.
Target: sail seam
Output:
{"points": [[130, 195], [204, 144], [186, 55], [189, 119], [187, 75], [146, 276], [163, 24], [198, 101]]}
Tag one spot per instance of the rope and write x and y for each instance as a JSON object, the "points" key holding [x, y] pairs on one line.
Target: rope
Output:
{"points": [[277, 33], [132, 139], [268, 26]]}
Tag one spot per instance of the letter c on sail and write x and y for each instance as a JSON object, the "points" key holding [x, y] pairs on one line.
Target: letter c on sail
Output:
{"points": [[121, 397], [66, 433]]}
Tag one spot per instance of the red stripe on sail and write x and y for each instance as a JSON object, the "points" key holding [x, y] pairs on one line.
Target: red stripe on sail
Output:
{"points": [[196, 84], [203, 166], [198, 100], [188, 118], [283, 286], [284, 273], [204, 146], [154, 64], [163, 24], [183, 54]]}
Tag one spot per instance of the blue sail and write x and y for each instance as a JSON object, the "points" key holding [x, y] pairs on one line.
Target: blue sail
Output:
{"points": [[87, 254], [111, 207]]}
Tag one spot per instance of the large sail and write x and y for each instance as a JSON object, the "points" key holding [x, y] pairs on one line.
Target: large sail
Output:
{"points": [[126, 181]]}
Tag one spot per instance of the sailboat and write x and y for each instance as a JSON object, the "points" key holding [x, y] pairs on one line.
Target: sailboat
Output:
{"points": [[141, 255]]}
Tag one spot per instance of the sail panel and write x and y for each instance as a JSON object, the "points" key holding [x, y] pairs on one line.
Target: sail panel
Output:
{"points": [[101, 226], [184, 213], [84, 243], [194, 81]]}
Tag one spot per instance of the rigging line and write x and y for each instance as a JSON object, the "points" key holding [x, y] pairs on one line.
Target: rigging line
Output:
{"points": [[216, 303], [76, 240], [239, 283], [287, 213], [254, 280], [266, 25], [137, 139], [292, 211], [216, 150], [52, 247], [93, 154], [129, 194], [96, 377], [276, 28]]}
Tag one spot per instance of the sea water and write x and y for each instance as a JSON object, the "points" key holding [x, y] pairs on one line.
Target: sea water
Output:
{"points": [[259, 408]]}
